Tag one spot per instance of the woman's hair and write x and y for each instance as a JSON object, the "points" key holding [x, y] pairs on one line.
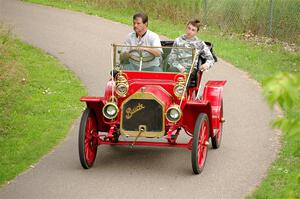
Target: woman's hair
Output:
{"points": [[195, 22]]}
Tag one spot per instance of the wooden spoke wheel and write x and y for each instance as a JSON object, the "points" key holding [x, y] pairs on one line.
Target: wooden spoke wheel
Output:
{"points": [[199, 143], [87, 139]]}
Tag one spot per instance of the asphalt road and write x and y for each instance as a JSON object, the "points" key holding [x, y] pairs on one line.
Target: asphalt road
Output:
{"points": [[82, 43]]}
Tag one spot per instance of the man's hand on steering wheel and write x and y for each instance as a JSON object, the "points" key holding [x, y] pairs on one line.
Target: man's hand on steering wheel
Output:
{"points": [[138, 53], [153, 51], [124, 56]]}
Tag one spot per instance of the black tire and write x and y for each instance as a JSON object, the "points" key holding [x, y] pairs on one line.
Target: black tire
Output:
{"points": [[201, 120], [86, 161], [216, 141]]}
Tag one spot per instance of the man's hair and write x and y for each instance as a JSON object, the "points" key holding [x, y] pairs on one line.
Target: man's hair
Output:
{"points": [[141, 15], [195, 22]]}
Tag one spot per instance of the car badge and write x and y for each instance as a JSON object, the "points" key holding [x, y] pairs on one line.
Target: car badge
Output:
{"points": [[131, 111]]}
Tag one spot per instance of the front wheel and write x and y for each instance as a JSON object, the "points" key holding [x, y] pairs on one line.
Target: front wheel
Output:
{"points": [[87, 139], [199, 144]]}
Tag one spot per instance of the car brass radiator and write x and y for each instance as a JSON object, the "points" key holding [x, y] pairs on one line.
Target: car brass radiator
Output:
{"points": [[142, 113]]}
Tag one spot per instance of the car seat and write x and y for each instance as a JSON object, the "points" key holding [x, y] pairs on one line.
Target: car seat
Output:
{"points": [[166, 51]]}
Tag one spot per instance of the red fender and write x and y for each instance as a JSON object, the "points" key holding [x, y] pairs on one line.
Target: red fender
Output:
{"points": [[191, 111], [212, 93], [96, 104], [210, 104]]}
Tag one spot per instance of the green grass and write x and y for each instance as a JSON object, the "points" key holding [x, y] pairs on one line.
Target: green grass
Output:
{"points": [[283, 180], [261, 61], [39, 101], [225, 15]]}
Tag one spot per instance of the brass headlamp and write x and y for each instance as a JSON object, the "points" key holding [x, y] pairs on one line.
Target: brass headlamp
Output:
{"points": [[173, 113], [121, 85], [179, 87]]}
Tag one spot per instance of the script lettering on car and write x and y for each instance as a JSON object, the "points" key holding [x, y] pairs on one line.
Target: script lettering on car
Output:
{"points": [[131, 111]]}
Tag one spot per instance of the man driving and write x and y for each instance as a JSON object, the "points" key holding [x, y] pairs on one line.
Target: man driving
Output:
{"points": [[142, 58]]}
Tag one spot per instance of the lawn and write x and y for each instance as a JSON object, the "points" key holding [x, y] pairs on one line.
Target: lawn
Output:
{"points": [[39, 101], [261, 59]]}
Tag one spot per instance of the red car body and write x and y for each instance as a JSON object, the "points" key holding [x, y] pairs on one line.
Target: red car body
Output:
{"points": [[201, 119]]}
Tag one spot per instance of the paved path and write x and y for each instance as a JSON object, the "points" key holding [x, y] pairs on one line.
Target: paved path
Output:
{"points": [[82, 43]]}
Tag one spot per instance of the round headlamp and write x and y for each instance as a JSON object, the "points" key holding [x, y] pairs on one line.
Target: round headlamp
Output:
{"points": [[121, 85], [179, 87], [110, 110], [173, 114], [178, 90], [122, 89]]}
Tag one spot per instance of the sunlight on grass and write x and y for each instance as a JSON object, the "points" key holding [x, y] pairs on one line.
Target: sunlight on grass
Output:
{"points": [[258, 59], [39, 101]]}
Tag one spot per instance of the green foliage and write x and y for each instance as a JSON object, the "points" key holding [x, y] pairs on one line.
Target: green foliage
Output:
{"points": [[39, 100], [284, 90], [283, 181], [223, 15], [260, 59]]}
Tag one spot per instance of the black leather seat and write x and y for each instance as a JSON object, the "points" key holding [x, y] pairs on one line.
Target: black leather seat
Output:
{"points": [[166, 51], [201, 59], [194, 76]]}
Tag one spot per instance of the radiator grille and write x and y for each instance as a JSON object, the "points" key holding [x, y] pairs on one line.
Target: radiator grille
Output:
{"points": [[147, 112]]}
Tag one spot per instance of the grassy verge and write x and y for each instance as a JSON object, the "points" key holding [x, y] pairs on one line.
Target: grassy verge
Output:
{"points": [[260, 60], [39, 100], [283, 180]]}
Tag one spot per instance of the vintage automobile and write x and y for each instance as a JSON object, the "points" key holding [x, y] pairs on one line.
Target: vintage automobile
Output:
{"points": [[146, 99]]}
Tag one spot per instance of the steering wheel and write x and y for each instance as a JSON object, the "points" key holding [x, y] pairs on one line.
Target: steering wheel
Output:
{"points": [[140, 55]]}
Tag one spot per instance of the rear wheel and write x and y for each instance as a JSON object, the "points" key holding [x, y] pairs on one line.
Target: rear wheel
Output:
{"points": [[216, 140], [87, 139], [199, 144]]}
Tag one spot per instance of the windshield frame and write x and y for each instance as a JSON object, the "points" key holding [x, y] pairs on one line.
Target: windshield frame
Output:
{"points": [[187, 74], [115, 52]]}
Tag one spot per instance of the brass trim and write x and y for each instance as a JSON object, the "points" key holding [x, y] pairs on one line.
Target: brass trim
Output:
{"points": [[222, 120], [119, 93], [179, 82], [130, 112], [113, 99], [189, 75], [114, 55], [105, 114], [174, 106], [121, 80], [143, 95], [142, 128], [115, 46], [176, 47], [163, 90]]}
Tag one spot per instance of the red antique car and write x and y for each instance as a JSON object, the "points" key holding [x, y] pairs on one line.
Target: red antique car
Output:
{"points": [[142, 102]]}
